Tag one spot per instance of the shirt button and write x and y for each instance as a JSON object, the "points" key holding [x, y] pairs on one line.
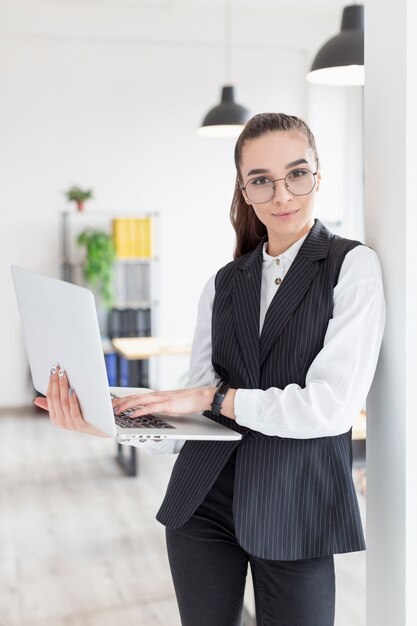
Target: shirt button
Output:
{"points": [[277, 261], [278, 281]]}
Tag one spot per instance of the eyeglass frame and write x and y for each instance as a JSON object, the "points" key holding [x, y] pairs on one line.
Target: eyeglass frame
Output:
{"points": [[243, 188]]}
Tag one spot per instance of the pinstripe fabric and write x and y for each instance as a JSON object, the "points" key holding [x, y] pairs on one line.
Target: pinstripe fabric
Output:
{"points": [[294, 498]]}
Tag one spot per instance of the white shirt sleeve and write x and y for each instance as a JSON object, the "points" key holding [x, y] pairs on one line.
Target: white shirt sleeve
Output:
{"points": [[340, 376], [201, 372], [201, 368]]}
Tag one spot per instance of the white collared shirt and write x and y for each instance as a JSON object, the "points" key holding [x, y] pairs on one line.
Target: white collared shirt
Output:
{"points": [[273, 272], [340, 376]]}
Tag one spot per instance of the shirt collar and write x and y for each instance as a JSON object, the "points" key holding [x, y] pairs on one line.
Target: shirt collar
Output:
{"points": [[289, 254]]}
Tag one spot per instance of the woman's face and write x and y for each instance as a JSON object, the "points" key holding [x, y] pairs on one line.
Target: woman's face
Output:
{"points": [[273, 155]]}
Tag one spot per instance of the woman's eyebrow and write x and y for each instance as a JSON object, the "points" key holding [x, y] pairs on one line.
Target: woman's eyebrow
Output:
{"points": [[264, 171], [294, 163], [258, 171]]}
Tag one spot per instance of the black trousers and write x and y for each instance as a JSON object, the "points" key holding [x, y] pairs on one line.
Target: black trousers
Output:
{"points": [[209, 570]]}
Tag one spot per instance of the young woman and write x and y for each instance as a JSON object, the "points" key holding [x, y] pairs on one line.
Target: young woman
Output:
{"points": [[285, 349]]}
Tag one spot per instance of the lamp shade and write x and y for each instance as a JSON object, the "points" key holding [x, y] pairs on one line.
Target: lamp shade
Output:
{"points": [[341, 60], [226, 119]]}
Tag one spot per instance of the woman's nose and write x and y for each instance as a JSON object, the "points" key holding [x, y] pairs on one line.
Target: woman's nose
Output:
{"points": [[281, 192]]}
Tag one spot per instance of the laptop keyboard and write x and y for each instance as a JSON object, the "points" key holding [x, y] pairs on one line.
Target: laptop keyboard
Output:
{"points": [[147, 421]]}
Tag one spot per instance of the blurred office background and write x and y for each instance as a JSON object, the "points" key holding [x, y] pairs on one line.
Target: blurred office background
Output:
{"points": [[108, 94]]}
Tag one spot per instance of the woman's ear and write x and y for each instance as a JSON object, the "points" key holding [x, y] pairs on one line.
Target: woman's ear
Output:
{"points": [[245, 197]]}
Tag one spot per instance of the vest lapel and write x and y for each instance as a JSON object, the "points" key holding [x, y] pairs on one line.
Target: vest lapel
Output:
{"points": [[246, 306], [294, 286]]}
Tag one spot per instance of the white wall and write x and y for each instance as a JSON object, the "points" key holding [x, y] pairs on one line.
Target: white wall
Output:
{"points": [[109, 95], [335, 115], [391, 224]]}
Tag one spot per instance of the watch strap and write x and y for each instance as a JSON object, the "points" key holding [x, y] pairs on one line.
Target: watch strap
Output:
{"points": [[221, 391]]}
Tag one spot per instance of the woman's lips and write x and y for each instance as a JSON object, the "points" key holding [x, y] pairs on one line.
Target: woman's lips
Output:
{"points": [[285, 215]]}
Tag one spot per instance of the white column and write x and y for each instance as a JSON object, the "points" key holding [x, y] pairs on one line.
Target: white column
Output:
{"points": [[391, 228]]}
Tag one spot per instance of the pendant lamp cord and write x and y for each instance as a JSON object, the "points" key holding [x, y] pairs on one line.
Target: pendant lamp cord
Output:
{"points": [[228, 40]]}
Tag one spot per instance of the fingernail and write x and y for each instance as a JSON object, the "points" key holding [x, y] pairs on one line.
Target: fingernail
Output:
{"points": [[70, 391], [61, 373], [53, 370], [115, 409]]}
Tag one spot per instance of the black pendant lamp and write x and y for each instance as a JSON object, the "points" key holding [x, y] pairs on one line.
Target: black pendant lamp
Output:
{"points": [[341, 60], [227, 118]]}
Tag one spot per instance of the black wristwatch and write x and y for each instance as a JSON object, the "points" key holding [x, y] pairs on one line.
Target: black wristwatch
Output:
{"points": [[221, 391]]}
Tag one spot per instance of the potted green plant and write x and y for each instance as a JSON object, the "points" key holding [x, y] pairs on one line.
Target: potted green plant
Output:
{"points": [[79, 196], [98, 267]]}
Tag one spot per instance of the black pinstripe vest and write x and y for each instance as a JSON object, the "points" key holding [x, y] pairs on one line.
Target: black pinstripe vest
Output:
{"points": [[293, 498]]}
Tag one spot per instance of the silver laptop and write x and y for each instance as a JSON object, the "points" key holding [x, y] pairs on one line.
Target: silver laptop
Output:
{"points": [[60, 326]]}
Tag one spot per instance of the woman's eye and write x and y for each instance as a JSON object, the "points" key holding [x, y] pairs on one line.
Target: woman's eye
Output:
{"points": [[297, 173], [262, 180]]}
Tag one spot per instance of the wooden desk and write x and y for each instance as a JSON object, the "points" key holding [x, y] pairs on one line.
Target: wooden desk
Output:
{"points": [[139, 349]]}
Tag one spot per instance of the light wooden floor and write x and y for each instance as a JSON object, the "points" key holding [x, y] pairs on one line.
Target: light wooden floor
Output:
{"points": [[79, 544]]}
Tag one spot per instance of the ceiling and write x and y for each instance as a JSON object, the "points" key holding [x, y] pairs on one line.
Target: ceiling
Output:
{"points": [[307, 6]]}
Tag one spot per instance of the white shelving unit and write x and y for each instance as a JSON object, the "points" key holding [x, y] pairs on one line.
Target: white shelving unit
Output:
{"points": [[134, 307], [135, 279]]}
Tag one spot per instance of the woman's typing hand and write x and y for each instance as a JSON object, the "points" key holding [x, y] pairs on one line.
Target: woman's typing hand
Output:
{"points": [[62, 403], [188, 400]]}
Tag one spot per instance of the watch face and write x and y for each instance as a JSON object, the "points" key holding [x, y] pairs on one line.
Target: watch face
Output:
{"points": [[222, 389]]}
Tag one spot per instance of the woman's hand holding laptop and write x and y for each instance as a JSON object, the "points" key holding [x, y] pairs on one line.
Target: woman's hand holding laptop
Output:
{"points": [[62, 403]]}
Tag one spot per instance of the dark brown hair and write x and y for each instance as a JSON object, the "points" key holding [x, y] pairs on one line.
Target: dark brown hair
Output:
{"points": [[249, 229]]}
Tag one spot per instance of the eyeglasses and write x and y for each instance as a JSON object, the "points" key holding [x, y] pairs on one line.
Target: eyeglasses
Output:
{"points": [[299, 182]]}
